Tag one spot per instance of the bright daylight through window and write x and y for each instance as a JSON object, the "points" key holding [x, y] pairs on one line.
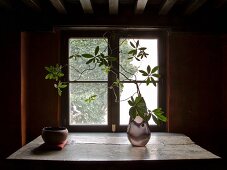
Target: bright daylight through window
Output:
{"points": [[87, 81], [148, 92]]}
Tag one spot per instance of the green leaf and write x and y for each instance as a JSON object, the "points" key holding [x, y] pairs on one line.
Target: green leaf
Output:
{"points": [[148, 81], [47, 68], [132, 44], [132, 112], [155, 120], [96, 50], [132, 99], [72, 56], [91, 99], [154, 69], [156, 75], [130, 103], [153, 81], [137, 59], [87, 55], [147, 117], [148, 69], [141, 107], [47, 76], [159, 114], [142, 48], [144, 73], [132, 52], [89, 61], [106, 69], [59, 91], [137, 43], [138, 99], [63, 86]]}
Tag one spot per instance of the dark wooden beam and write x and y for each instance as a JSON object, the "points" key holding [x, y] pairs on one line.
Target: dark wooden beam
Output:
{"points": [[58, 4], [167, 7], [219, 3], [195, 5], [6, 4], [34, 4], [113, 7], [87, 7], [140, 6]]}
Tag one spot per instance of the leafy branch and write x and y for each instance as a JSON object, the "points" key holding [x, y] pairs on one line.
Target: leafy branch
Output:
{"points": [[55, 73]]}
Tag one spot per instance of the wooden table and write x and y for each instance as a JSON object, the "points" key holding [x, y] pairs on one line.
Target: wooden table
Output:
{"points": [[113, 151]]}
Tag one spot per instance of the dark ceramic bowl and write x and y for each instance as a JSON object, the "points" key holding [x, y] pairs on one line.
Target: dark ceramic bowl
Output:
{"points": [[54, 135]]}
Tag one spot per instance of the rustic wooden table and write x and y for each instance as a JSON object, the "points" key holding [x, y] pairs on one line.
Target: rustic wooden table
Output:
{"points": [[113, 151]]}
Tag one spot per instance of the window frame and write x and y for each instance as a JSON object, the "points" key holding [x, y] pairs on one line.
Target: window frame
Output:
{"points": [[113, 107]]}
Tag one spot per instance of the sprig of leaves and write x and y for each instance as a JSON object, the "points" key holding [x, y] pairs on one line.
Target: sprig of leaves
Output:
{"points": [[118, 83], [158, 116], [54, 72], [59, 86], [138, 108], [99, 58], [150, 74], [137, 52], [90, 99]]}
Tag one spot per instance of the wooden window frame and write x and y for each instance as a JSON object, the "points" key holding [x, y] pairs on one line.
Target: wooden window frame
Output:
{"points": [[113, 107]]}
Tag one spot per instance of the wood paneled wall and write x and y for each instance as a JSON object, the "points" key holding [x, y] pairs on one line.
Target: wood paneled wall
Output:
{"points": [[42, 49], [10, 87], [223, 119], [194, 87]]}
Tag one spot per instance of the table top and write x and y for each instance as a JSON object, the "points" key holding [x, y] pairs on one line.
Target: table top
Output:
{"points": [[116, 147]]}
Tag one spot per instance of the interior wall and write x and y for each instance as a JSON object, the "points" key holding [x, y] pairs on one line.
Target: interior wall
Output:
{"points": [[42, 50], [10, 114], [24, 77], [194, 87], [224, 95]]}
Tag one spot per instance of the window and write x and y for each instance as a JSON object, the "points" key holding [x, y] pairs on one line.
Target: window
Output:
{"points": [[90, 101]]}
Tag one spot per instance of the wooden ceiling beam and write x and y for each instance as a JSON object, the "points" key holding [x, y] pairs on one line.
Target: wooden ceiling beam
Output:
{"points": [[140, 6], [167, 7], [219, 3], [6, 4], [113, 7], [196, 4], [87, 7], [59, 6], [34, 4]]}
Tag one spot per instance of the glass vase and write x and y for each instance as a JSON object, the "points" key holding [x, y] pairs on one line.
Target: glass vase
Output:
{"points": [[138, 132]]}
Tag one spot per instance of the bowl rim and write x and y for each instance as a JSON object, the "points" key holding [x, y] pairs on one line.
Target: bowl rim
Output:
{"points": [[54, 128]]}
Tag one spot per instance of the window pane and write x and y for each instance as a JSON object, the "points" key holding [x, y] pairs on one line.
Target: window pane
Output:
{"points": [[78, 65], [85, 113], [148, 92], [132, 65]]}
